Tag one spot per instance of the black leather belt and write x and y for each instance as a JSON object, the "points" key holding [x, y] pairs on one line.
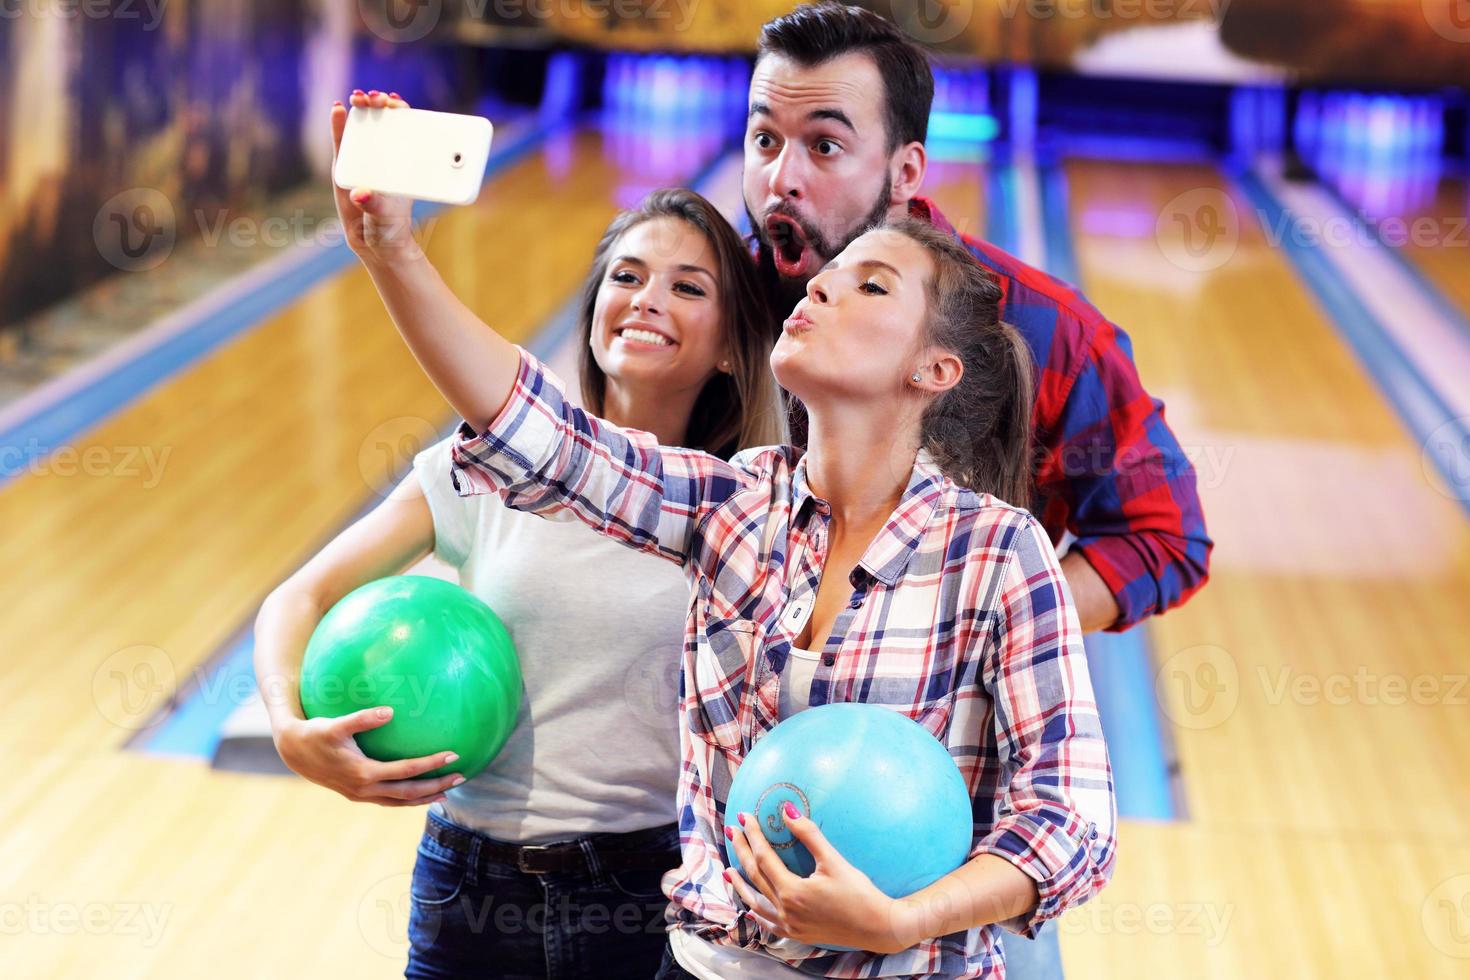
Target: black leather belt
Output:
{"points": [[638, 850]]}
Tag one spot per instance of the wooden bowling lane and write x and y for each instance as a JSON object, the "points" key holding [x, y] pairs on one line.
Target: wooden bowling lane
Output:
{"points": [[1438, 240], [1316, 687], [126, 583]]}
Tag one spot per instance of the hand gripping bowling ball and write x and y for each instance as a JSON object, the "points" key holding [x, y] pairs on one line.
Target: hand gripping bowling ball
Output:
{"points": [[429, 649], [882, 790]]}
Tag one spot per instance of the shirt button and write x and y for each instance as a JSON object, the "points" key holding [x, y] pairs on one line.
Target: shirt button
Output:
{"points": [[856, 602], [828, 659]]}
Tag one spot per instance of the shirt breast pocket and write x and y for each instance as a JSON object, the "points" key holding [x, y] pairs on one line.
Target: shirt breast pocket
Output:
{"points": [[913, 698], [723, 664]]}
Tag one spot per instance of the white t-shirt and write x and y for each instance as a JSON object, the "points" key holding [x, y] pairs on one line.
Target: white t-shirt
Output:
{"points": [[796, 682], [711, 961], [598, 628]]}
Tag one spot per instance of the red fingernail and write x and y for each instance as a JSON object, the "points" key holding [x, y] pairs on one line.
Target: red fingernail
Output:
{"points": [[726, 875], [372, 92], [335, 103], [789, 808], [393, 95], [729, 833], [357, 91], [741, 818]]}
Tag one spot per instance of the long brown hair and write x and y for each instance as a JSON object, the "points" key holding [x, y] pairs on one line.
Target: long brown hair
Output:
{"points": [[733, 411], [980, 430]]}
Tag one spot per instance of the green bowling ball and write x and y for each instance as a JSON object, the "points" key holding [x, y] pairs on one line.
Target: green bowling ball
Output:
{"points": [[436, 654]]}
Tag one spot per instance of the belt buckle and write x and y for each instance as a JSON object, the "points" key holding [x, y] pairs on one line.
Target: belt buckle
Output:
{"points": [[521, 864]]}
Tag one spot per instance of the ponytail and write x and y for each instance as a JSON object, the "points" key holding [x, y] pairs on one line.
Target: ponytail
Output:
{"points": [[979, 431]]}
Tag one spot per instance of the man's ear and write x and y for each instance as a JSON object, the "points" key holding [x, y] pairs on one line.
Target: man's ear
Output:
{"points": [[909, 162]]}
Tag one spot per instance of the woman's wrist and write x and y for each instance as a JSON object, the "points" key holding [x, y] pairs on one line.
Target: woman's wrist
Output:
{"points": [[904, 926], [400, 262]]}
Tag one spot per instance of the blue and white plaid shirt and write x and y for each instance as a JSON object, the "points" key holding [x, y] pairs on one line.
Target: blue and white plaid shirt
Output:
{"points": [[959, 617]]}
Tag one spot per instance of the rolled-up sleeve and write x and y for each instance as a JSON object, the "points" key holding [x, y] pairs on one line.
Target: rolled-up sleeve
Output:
{"points": [[1117, 478], [1056, 815], [544, 455]]}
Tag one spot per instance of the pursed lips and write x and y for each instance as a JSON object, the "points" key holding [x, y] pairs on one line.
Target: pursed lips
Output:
{"points": [[798, 322]]}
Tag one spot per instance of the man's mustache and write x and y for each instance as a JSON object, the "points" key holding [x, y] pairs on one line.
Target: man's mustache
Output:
{"points": [[810, 234]]}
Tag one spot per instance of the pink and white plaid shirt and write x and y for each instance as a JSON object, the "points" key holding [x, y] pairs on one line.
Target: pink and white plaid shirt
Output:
{"points": [[959, 618]]}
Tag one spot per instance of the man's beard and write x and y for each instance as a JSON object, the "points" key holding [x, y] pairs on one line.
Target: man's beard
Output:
{"points": [[784, 293]]}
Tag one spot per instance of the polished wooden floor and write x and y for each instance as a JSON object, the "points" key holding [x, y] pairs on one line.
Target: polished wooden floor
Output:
{"points": [[1326, 835]]}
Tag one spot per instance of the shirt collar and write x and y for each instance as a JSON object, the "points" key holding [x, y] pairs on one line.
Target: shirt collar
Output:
{"points": [[925, 209], [889, 553]]}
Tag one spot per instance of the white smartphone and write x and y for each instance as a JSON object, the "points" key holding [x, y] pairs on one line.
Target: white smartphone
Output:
{"points": [[428, 156]]}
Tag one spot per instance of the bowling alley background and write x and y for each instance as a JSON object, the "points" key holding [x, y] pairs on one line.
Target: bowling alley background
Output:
{"points": [[199, 387]]}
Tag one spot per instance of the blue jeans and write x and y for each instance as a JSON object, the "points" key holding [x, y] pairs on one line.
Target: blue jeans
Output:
{"points": [[1033, 959], [473, 917], [669, 968]]}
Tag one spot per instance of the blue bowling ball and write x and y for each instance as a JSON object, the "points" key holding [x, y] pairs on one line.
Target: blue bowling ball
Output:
{"points": [[885, 793]]}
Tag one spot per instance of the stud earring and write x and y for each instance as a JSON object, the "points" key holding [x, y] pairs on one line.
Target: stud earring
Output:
{"points": [[916, 378]]}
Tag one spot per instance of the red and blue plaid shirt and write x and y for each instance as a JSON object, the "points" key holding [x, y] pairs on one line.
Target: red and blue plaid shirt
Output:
{"points": [[959, 617], [1109, 469]]}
